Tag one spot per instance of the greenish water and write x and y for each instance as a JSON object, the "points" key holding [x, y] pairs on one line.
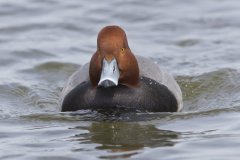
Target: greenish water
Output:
{"points": [[43, 42]]}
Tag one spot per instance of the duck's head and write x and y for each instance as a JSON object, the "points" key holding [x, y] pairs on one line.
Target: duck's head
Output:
{"points": [[113, 63]]}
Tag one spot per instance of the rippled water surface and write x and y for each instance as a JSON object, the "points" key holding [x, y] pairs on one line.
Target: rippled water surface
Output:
{"points": [[42, 42]]}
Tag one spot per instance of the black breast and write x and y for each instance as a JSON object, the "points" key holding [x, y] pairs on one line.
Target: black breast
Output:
{"points": [[149, 96]]}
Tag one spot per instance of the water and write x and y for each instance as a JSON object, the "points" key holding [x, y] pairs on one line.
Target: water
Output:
{"points": [[43, 42]]}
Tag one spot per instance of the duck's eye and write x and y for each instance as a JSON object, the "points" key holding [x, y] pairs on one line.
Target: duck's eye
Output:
{"points": [[122, 50]]}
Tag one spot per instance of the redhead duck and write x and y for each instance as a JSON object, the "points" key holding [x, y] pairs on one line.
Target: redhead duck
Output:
{"points": [[116, 78]]}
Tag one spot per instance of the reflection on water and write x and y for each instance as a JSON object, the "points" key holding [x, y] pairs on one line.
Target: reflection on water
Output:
{"points": [[120, 137]]}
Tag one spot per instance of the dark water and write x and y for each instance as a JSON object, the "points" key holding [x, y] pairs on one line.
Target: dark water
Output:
{"points": [[43, 42]]}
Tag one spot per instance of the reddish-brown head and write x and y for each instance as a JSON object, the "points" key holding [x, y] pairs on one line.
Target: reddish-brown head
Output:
{"points": [[112, 45]]}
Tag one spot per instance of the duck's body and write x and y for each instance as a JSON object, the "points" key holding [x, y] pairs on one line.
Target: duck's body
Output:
{"points": [[146, 88]]}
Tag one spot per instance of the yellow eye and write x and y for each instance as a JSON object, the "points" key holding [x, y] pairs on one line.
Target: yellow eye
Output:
{"points": [[122, 50]]}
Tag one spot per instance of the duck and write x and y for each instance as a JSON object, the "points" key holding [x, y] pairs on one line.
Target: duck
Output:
{"points": [[115, 78]]}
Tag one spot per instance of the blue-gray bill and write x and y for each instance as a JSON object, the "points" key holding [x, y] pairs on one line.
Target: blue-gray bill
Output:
{"points": [[110, 73]]}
